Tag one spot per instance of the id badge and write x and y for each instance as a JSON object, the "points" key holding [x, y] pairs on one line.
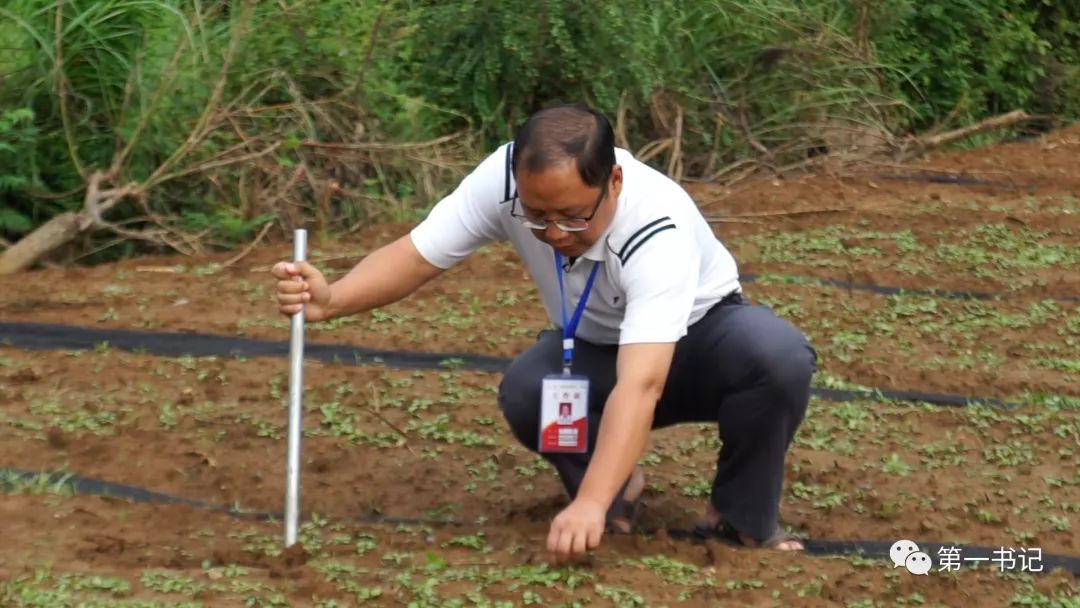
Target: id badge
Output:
{"points": [[564, 414]]}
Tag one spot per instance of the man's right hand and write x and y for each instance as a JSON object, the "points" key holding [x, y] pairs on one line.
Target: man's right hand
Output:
{"points": [[300, 284]]}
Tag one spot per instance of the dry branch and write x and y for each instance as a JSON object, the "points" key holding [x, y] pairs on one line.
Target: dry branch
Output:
{"points": [[330, 258], [739, 164], [994, 122], [714, 151], [66, 226], [61, 90], [376, 413], [653, 148], [98, 200], [745, 216], [202, 127], [380, 146], [171, 71], [52, 234], [218, 162], [675, 162], [909, 167], [620, 124], [236, 258]]}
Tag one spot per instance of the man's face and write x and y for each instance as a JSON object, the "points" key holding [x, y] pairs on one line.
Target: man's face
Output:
{"points": [[557, 193]]}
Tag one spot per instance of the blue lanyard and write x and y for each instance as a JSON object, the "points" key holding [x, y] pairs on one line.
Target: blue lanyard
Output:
{"points": [[570, 325]]}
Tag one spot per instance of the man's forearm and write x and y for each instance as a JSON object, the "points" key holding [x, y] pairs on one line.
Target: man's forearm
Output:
{"points": [[622, 437], [387, 275]]}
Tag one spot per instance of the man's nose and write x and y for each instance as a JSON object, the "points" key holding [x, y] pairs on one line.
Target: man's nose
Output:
{"points": [[553, 232]]}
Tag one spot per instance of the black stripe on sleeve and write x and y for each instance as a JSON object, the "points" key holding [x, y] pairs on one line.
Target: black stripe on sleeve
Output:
{"points": [[645, 240], [506, 184], [630, 240]]}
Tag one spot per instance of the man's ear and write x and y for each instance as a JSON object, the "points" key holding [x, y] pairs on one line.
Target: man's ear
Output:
{"points": [[616, 179]]}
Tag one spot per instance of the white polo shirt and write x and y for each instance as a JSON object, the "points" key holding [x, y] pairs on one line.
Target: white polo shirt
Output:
{"points": [[662, 266]]}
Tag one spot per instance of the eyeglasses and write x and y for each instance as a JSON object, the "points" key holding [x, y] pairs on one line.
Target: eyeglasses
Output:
{"points": [[570, 224]]}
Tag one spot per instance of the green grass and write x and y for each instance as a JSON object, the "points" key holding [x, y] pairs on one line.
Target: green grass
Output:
{"points": [[995, 251], [913, 332], [942, 440], [48, 588], [41, 483], [50, 411], [447, 415]]}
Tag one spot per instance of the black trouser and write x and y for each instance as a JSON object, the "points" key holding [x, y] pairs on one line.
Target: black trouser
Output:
{"points": [[740, 366]]}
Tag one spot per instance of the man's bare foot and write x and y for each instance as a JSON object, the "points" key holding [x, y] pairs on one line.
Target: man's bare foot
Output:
{"points": [[634, 489], [713, 519]]}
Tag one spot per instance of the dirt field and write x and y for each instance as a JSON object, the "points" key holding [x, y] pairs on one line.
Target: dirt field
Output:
{"points": [[432, 444]]}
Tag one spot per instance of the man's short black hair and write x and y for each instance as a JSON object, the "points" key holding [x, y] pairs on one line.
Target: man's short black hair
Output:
{"points": [[567, 132]]}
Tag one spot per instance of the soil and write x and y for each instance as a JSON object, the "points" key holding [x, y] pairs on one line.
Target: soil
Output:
{"points": [[434, 445], [208, 559]]}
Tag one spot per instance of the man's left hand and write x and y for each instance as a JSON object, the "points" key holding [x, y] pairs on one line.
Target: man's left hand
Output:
{"points": [[575, 530]]}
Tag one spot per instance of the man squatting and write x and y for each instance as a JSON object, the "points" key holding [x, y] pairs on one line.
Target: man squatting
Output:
{"points": [[665, 336]]}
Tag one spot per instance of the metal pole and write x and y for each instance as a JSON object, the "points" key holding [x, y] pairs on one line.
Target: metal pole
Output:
{"points": [[296, 393]]}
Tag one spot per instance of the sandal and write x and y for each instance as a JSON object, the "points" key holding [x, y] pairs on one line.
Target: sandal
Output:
{"points": [[627, 511], [724, 531], [629, 514]]}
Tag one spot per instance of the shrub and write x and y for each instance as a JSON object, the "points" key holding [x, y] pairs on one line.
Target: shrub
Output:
{"points": [[776, 80]]}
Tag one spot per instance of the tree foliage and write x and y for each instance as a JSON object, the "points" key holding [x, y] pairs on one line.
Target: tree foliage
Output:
{"points": [[226, 110]]}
